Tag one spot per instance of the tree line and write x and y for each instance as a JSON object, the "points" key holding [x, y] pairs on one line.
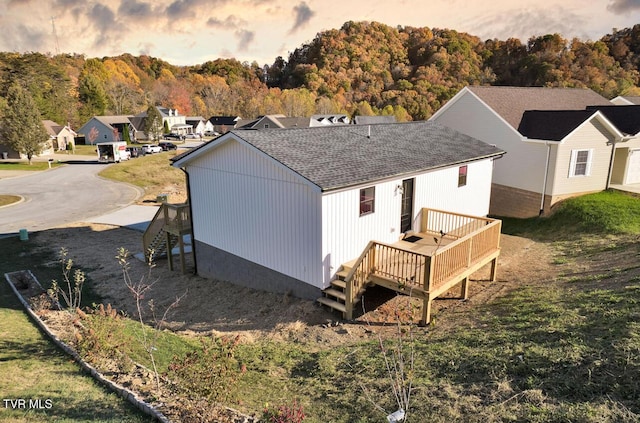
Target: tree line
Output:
{"points": [[363, 68]]}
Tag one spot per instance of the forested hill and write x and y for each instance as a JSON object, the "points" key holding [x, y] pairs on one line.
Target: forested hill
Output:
{"points": [[362, 68]]}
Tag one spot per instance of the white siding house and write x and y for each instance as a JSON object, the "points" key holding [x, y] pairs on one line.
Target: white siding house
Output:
{"points": [[283, 209], [560, 142]]}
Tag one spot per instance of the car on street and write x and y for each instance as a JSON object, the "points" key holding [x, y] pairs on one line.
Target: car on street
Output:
{"points": [[134, 151], [192, 136], [166, 145], [173, 137], [151, 148]]}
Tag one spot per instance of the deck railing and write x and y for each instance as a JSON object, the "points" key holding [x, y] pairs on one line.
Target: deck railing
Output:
{"points": [[475, 238], [454, 225], [463, 253], [173, 218]]}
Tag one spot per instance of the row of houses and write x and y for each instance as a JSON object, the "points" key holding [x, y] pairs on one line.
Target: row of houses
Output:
{"points": [[283, 209], [112, 128]]}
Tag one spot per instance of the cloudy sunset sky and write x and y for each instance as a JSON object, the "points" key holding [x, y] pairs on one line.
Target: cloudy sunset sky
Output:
{"points": [[188, 32]]}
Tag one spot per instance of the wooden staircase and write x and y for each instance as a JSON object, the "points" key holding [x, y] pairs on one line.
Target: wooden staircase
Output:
{"points": [[160, 244], [335, 296], [166, 231]]}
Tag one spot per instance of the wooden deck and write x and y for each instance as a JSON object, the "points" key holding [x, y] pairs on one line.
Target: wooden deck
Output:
{"points": [[447, 250]]}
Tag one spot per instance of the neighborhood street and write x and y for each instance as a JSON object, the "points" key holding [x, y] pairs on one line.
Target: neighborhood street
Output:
{"points": [[62, 195]]}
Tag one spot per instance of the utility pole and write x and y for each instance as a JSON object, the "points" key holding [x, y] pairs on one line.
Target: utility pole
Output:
{"points": [[55, 35]]}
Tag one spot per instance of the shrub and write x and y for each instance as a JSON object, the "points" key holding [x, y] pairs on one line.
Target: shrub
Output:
{"points": [[209, 372], [283, 414]]}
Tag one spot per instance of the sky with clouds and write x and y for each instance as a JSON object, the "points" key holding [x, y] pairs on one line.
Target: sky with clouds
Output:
{"points": [[188, 32]]}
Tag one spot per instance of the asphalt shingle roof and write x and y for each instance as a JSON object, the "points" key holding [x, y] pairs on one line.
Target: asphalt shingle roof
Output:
{"points": [[625, 118], [334, 157], [552, 125], [511, 102]]}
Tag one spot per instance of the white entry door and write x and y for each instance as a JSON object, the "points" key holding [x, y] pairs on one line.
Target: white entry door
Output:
{"points": [[633, 170]]}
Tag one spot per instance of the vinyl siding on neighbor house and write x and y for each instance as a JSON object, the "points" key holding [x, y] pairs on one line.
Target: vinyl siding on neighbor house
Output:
{"points": [[346, 233], [523, 165], [590, 136], [247, 205]]}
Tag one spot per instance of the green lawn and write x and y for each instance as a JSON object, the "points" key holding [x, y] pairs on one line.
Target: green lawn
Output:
{"points": [[24, 165], [32, 368], [5, 200]]}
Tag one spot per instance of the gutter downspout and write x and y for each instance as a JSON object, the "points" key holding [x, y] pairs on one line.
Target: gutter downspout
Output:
{"points": [[610, 171], [193, 241], [544, 182]]}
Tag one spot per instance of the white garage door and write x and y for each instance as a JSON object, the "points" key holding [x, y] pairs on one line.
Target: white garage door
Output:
{"points": [[633, 171]]}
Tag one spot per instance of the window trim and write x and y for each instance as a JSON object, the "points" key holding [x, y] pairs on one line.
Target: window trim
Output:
{"points": [[573, 164], [463, 171], [367, 202]]}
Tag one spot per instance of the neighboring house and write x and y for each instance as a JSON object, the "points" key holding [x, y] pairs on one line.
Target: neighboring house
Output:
{"points": [[281, 210], [61, 136], [337, 119], [370, 120], [626, 101], [199, 124], [224, 124], [107, 129], [625, 168], [556, 148], [274, 122], [282, 121], [173, 120]]}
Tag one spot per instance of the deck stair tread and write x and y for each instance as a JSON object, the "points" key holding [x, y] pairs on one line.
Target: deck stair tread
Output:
{"points": [[342, 273], [339, 284], [331, 292], [333, 304]]}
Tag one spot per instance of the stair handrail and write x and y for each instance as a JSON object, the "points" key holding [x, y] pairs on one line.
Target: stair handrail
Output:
{"points": [[350, 292], [156, 226]]}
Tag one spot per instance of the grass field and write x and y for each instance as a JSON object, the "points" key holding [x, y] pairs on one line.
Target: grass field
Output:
{"points": [[24, 165], [5, 200], [32, 367], [152, 172]]}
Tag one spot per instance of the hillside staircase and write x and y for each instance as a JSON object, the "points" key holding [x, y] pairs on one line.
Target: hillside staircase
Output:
{"points": [[167, 230]]}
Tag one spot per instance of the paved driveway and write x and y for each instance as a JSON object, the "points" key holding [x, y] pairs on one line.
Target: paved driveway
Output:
{"points": [[71, 193]]}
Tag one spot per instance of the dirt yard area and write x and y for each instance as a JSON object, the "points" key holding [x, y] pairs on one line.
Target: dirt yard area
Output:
{"points": [[210, 306]]}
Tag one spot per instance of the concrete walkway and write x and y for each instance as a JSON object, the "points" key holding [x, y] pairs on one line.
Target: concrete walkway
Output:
{"points": [[133, 217], [631, 188]]}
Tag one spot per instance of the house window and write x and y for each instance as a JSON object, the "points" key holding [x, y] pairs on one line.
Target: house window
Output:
{"points": [[266, 126], [462, 176], [367, 200], [580, 163]]}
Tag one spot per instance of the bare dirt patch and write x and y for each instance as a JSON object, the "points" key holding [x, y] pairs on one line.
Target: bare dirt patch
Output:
{"points": [[211, 306]]}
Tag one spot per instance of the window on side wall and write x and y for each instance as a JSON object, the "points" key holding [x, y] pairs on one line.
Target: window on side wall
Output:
{"points": [[462, 176], [367, 200], [580, 163]]}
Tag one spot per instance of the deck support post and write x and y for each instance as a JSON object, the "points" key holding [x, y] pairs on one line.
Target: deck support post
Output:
{"points": [[426, 311], [169, 252], [348, 301], [464, 288], [494, 269], [183, 264]]}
